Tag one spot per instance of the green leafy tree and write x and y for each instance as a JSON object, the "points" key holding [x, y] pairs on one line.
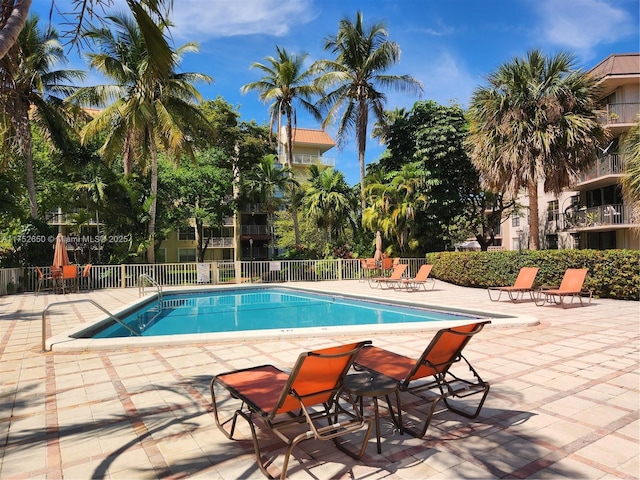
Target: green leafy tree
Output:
{"points": [[352, 81], [198, 196], [153, 105], [265, 184], [30, 85], [394, 204], [329, 202], [536, 121]]}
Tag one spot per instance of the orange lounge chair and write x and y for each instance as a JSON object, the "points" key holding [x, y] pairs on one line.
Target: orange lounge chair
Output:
{"points": [[368, 268], [443, 352], [70, 278], [307, 397], [571, 286], [522, 285], [43, 279], [391, 280], [420, 280]]}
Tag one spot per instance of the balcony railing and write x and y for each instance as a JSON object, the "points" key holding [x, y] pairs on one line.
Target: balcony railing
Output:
{"points": [[254, 230], [604, 215], [221, 242], [607, 165], [303, 159], [620, 113]]}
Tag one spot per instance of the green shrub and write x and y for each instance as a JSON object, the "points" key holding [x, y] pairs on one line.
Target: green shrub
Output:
{"points": [[612, 273]]}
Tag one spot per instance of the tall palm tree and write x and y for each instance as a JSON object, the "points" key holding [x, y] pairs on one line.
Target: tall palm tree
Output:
{"points": [[329, 201], [395, 203], [536, 121], [265, 183], [354, 79], [28, 94], [153, 106], [284, 84]]}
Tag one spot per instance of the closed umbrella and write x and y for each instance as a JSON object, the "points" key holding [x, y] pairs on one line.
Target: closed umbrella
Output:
{"points": [[378, 255], [60, 255]]}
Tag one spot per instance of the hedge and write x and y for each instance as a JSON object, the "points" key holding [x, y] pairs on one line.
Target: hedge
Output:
{"points": [[612, 273]]}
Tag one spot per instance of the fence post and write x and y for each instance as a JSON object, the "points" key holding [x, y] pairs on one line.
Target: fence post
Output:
{"points": [[339, 269], [123, 276]]}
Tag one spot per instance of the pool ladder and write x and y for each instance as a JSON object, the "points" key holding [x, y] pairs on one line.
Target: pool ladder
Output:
{"points": [[141, 284], [84, 300]]}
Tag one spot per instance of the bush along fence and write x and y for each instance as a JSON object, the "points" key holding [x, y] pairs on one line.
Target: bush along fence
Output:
{"points": [[612, 273]]}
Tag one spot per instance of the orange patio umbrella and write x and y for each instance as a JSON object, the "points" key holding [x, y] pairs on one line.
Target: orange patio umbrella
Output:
{"points": [[60, 255]]}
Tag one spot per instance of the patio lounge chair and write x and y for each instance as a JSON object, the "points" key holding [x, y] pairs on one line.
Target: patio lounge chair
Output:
{"points": [[571, 286], [368, 268], [420, 280], [443, 352], [295, 406], [391, 280], [522, 285]]}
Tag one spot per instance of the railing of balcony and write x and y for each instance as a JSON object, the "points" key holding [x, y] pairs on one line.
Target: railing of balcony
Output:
{"points": [[620, 113], [254, 230], [608, 165], [603, 215], [220, 242], [304, 159]]}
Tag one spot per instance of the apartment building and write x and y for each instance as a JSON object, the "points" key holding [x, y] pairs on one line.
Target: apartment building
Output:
{"points": [[593, 213]]}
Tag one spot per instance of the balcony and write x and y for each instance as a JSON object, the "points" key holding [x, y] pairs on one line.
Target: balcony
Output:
{"points": [[608, 165], [220, 242], [303, 159], [620, 113], [603, 217], [254, 230]]}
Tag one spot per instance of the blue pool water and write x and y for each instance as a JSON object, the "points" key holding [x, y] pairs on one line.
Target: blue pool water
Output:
{"points": [[262, 309]]}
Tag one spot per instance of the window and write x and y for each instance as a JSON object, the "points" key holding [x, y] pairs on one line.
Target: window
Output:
{"points": [[186, 254], [552, 211], [187, 235], [515, 221]]}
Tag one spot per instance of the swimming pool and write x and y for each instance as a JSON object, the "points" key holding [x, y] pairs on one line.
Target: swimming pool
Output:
{"points": [[245, 310], [81, 338]]}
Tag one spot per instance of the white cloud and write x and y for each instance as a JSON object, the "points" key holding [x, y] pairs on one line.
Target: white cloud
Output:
{"points": [[583, 24], [223, 18]]}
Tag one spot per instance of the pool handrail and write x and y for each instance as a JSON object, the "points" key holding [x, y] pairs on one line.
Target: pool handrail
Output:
{"points": [[83, 300], [149, 279]]}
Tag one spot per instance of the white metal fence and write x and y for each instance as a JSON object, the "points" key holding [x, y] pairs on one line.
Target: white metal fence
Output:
{"points": [[213, 273]]}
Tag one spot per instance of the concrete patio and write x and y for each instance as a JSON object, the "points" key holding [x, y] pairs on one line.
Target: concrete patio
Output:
{"points": [[564, 399]]}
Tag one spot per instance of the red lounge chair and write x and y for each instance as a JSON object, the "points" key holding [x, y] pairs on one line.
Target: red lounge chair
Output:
{"points": [[441, 355], [522, 285], [391, 280], [571, 286], [420, 280], [307, 396]]}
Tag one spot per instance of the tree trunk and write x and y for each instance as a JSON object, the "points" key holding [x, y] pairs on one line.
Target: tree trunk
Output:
{"points": [[151, 250], [23, 134], [534, 220], [11, 29], [361, 137]]}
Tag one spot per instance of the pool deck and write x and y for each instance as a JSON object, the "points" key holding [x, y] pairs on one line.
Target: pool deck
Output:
{"points": [[564, 399]]}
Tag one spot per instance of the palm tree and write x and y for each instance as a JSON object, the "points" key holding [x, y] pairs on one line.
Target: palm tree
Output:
{"points": [[28, 95], [152, 104], [284, 84], [329, 202], [265, 183], [395, 203], [536, 121], [354, 79]]}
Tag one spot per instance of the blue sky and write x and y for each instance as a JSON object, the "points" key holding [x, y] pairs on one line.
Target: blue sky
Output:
{"points": [[448, 45]]}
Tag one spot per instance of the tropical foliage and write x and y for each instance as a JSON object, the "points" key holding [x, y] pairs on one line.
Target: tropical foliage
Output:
{"points": [[536, 122], [352, 82]]}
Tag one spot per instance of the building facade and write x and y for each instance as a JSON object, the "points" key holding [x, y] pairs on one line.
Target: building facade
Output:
{"points": [[593, 213]]}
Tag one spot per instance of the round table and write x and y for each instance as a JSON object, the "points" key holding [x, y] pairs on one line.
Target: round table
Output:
{"points": [[374, 385]]}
